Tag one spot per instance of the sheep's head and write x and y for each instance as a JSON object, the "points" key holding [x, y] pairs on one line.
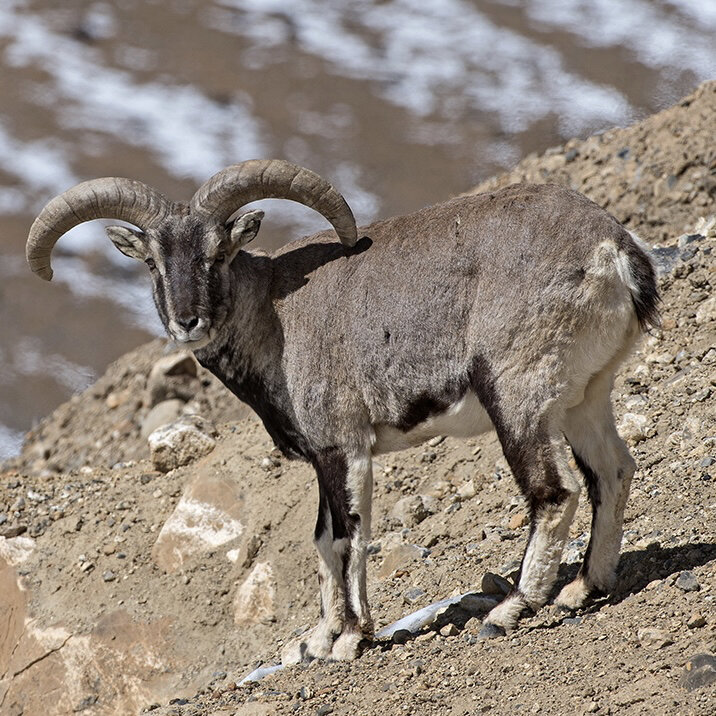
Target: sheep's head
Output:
{"points": [[188, 249]]}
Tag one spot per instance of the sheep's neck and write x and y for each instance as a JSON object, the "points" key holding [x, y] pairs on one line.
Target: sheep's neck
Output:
{"points": [[246, 356]]}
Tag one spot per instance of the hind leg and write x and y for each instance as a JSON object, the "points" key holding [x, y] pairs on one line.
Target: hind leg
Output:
{"points": [[608, 467], [539, 464]]}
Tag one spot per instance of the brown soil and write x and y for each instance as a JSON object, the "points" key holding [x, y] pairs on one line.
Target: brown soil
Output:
{"points": [[85, 491]]}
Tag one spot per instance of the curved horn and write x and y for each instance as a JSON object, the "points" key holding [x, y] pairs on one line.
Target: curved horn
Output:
{"points": [[107, 198], [228, 190]]}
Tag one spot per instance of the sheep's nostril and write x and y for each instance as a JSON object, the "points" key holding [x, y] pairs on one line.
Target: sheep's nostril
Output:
{"points": [[188, 324]]}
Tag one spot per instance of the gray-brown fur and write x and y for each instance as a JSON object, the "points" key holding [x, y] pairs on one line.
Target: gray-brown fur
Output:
{"points": [[527, 298]]}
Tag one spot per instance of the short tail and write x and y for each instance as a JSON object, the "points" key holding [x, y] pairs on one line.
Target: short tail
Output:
{"points": [[644, 291]]}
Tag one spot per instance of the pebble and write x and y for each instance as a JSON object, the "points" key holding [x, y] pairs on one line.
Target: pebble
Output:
{"points": [[495, 584], [517, 521], [438, 489], [181, 442], [433, 442], [706, 312], [653, 638], [413, 595], [634, 427], [449, 630], [410, 511], [696, 621], [467, 491], [324, 710], [108, 576], [687, 582]]}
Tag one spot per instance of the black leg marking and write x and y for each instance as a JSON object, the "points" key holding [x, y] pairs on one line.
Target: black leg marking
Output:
{"points": [[592, 481], [332, 470]]}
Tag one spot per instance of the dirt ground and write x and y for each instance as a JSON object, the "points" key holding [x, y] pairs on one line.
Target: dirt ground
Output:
{"points": [[90, 506]]}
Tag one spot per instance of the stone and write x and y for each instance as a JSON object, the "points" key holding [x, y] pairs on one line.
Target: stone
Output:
{"points": [[687, 582], [517, 521], [161, 414], [209, 514], [476, 604], [173, 376], [699, 671], [413, 595], [438, 489], [400, 558], [181, 442], [255, 598], [696, 621], [495, 584], [467, 490], [634, 427], [706, 312], [15, 550], [109, 576], [653, 638], [14, 531], [248, 551], [410, 511], [401, 636], [449, 630]]}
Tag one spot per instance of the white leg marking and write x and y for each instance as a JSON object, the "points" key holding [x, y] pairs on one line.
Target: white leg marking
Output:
{"points": [[590, 430]]}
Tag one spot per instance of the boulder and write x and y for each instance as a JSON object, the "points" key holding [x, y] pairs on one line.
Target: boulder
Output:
{"points": [[160, 415], [181, 442], [254, 601], [207, 516], [173, 377]]}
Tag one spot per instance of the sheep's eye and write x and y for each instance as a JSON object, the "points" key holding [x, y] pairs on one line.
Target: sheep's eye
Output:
{"points": [[150, 262], [220, 258]]}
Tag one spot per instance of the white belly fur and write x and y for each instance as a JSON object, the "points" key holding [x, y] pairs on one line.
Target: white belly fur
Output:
{"points": [[464, 419]]}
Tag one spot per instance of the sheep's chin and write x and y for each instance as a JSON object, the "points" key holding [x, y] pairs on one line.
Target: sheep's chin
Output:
{"points": [[196, 345]]}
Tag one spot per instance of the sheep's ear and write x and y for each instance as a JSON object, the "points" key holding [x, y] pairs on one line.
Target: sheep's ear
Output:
{"points": [[244, 229], [130, 242]]}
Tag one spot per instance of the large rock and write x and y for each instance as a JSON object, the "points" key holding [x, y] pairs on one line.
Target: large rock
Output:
{"points": [[181, 442], [207, 516], [173, 377], [255, 598], [161, 414], [116, 668], [16, 550]]}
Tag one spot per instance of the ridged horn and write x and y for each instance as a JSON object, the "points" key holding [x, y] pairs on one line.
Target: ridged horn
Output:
{"points": [[106, 198], [230, 189]]}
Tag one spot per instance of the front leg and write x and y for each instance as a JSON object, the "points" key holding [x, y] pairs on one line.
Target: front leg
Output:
{"points": [[345, 485]]}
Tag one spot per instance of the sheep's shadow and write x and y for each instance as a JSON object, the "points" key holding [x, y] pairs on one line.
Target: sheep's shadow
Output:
{"points": [[636, 569], [639, 567], [293, 266]]}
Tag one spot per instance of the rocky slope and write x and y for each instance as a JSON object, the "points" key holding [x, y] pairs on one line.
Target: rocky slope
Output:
{"points": [[126, 587]]}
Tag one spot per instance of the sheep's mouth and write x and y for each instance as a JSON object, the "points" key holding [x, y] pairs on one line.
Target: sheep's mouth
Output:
{"points": [[194, 337], [195, 343]]}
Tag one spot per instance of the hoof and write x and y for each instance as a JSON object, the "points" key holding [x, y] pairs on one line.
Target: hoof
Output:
{"points": [[490, 631]]}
